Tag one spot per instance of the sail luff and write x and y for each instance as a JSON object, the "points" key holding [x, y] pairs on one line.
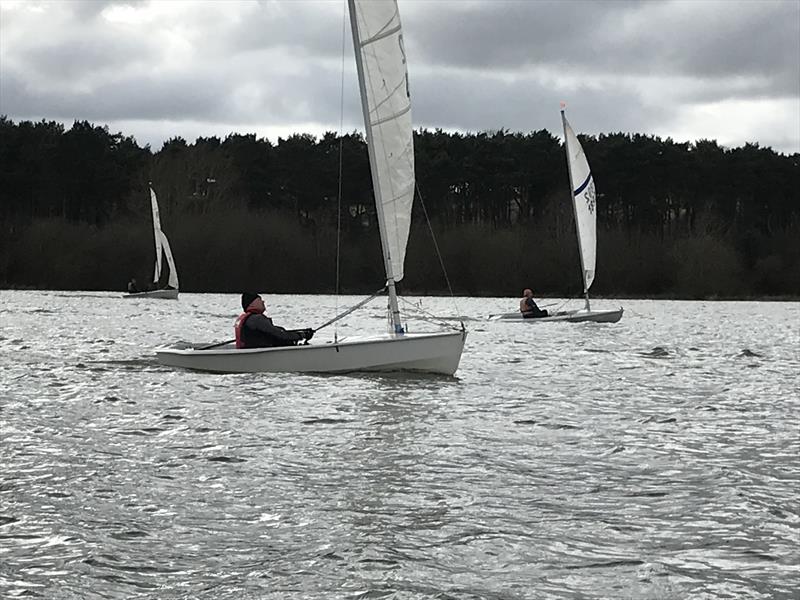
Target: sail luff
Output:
{"points": [[582, 191], [156, 235], [386, 105]]}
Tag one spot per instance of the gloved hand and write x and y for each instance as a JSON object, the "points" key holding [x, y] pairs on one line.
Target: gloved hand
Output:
{"points": [[307, 334]]}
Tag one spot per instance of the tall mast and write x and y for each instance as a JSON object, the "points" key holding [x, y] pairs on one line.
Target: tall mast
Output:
{"points": [[387, 263], [574, 207]]}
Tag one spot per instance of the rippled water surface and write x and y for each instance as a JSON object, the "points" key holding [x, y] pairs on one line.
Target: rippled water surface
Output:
{"points": [[653, 458]]}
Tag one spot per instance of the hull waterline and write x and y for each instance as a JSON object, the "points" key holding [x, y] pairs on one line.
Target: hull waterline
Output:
{"points": [[159, 294]]}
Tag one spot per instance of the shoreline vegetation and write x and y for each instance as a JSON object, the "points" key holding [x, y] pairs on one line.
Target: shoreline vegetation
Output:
{"points": [[676, 221], [514, 298]]}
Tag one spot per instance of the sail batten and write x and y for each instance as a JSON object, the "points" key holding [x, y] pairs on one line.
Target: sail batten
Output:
{"points": [[390, 117], [384, 34]]}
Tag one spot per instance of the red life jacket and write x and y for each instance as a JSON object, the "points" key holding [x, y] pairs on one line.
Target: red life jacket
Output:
{"points": [[237, 327]]}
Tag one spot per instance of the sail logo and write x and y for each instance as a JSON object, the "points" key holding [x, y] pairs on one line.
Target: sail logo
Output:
{"points": [[590, 197], [587, 188]]}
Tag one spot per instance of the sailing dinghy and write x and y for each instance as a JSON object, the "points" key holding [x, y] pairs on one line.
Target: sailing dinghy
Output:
{"points": [[170, 292], [584, 203], [386, 104]]}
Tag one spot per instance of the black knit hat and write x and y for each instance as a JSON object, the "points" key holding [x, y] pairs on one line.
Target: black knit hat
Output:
{"points": [[247, 298]]}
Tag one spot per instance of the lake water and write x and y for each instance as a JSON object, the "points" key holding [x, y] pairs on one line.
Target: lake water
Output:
{"points": [[657, 457]]}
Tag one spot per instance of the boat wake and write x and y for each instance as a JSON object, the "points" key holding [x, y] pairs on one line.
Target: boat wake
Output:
{"points": [[133, 364], [657, 352], [747, 353]]}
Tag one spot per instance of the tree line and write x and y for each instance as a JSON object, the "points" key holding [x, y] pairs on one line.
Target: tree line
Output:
{"points": [[675, 219]]}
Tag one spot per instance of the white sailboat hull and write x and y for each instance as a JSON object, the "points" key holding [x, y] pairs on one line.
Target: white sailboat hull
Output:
{"points": [[423, 352], [161, 294], [386, 106], [569, 316]]}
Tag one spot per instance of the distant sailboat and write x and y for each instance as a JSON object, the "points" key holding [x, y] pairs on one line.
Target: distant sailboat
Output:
{"points": [[584, 203], [162, 246], [386, 105]]}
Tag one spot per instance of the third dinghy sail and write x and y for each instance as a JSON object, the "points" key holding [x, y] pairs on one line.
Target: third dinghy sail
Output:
{"points": [[170, 292]]}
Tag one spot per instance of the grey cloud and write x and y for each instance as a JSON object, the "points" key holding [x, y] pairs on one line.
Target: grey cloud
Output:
{"points": [[65, 42], [82, 10], [692, 39], [177, 98], [762, 40], [701, 91], [89, 9], [207, 94], [525, 106], [497, 34], [308, 29], [473, 66], [80, 55]]}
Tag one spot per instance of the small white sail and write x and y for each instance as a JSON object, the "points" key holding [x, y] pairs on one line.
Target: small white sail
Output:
{"points": [[584, 201], [378, 38], [173, 271], [162, 245], [156, 234]]}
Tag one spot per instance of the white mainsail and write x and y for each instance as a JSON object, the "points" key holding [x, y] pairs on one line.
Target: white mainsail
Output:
{"points": [[156, 235], [381, 60], [162, 245], [584, 202]]}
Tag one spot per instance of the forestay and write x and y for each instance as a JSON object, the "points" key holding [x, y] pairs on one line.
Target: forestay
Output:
{"points": [[378, 36], [584, 201]]}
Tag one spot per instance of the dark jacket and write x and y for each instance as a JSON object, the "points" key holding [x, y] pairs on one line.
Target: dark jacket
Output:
{"points": [[533, 311], [257, 331]]}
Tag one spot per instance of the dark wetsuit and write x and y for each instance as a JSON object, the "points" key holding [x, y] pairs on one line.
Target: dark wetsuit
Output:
{"points": [[257, 331], [533, 312]]}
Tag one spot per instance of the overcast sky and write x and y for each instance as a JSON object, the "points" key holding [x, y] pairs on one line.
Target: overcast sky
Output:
{"points": [[687, 69]]}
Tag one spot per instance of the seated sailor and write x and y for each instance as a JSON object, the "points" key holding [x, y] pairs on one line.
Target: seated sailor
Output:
{"points": [[528, 308], [254, 329]]}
